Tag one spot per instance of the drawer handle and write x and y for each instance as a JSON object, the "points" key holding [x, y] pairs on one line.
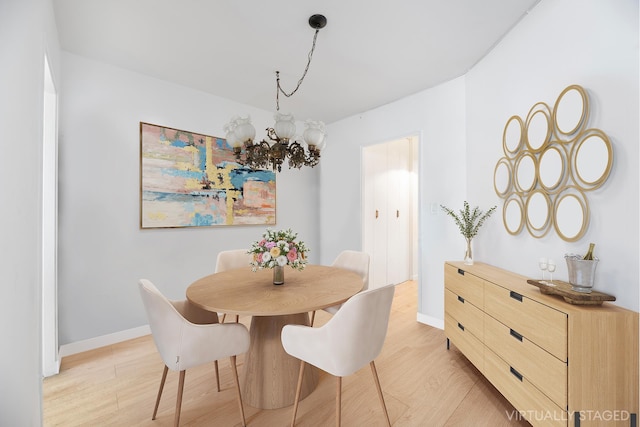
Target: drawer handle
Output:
{"points": [[460, 326], [515, 335], [515, 373], [461, 299], [515, 296], [461, 271]]}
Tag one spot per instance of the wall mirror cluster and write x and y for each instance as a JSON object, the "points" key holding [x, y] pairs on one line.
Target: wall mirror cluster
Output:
{"points": [[551, 159]]}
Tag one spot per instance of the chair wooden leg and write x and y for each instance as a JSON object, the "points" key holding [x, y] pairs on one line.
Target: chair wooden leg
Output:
{"points": [[235, 377], [338, 400], [176, 422], [224, 316], [377, 380], [313, 317], [215, 363], [237, 318], [164, 377], [298, 390]]}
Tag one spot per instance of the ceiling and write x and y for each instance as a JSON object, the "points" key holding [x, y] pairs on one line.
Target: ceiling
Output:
{"points": [[368, 55]]}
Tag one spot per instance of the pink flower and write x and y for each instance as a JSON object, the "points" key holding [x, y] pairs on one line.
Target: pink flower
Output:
{"points": [[270, 245], [292, 255]]}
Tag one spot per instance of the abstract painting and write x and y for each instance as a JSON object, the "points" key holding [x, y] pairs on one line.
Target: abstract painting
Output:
{"points": [[193, 180]]}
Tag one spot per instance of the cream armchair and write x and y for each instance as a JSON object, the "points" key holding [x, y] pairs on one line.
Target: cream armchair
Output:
{"points": [[352, 338], [355, 261], [187, 336], [234, 258]]}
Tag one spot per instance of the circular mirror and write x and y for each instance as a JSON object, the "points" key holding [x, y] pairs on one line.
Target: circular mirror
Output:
{"points": [[512, 214], [512, 136], [571, 214], [538, 211], [502, 177], [538, 127], [525, 173], [552, 168], [571, 110], [592, 157]]}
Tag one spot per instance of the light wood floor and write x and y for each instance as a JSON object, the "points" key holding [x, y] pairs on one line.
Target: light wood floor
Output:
{"points": [[424, 385]]}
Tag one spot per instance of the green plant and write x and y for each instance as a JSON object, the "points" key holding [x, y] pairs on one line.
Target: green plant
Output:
{"points": [[468, 221]]}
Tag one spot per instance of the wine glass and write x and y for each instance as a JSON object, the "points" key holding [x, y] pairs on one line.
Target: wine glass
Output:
{"points": [[551, 267], [543, 265]]}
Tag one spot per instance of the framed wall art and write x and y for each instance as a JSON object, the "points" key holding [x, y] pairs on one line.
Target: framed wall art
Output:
{"points": [[193, 180]]}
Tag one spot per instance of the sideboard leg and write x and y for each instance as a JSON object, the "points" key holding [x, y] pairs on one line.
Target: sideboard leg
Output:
{"points": [[447, 343]]}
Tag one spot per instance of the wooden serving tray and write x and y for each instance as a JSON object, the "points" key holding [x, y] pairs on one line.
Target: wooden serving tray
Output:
{"points": [[572, 297]]}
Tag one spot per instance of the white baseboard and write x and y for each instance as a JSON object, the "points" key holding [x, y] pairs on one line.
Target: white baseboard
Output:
{"points": [[431, 321], [104, 340]]}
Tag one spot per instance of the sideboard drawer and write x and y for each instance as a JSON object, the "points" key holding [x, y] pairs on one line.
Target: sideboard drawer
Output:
{"points": [[537, 408], [466, 285], [545, 326], [464, 312], [466, 342], [544, 370]]}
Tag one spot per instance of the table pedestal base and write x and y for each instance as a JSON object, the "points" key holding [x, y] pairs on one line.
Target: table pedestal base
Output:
{"points": [[270, 373]]}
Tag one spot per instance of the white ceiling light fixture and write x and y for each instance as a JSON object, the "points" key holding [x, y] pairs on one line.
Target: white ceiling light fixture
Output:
{"points": [[281, 144]]}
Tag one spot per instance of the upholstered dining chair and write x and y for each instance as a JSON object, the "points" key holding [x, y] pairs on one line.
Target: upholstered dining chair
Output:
{"points": [[234, 258], [355, 261], [353, 337], [187, 336]]}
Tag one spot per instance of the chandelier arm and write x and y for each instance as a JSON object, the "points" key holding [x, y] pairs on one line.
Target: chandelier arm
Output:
{"points": [[304, 74]]}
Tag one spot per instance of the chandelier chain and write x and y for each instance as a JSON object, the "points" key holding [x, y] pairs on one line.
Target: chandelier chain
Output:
{"points": [[306, 69]]}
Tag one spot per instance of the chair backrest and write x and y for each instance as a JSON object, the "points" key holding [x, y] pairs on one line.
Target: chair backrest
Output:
{"points": [[164, 320], [236, 258], [358, 330], [355, 261]]}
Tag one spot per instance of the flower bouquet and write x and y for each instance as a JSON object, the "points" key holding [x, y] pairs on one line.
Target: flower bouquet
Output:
{"points": [[277, 249]]}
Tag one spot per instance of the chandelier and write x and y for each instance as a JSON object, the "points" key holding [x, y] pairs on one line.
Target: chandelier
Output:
{"points": [[281, 143]]}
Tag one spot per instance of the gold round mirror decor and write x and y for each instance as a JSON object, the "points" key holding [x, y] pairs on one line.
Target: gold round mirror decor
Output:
{"points": [[551, 161], [538, 127], [525, 173], [538, 213], [571, 111], [502, 177], [552, 168], [591, 159], [513, 214], [512, 136], [571, 214]]}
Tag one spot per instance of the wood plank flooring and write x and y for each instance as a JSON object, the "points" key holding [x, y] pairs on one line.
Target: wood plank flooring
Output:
{"points": [[424, 384]]}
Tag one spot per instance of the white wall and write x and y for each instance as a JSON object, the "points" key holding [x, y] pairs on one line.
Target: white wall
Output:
{"points": [[103, 252], [563, 42], [27, 31], [438, 116]]}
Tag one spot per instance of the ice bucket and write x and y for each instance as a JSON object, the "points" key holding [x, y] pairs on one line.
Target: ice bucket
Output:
{"points": [[582, 272]]}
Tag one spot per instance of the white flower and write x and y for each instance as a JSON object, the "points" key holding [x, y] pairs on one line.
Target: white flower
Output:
{"points": [[282, 260], [266, 257]]}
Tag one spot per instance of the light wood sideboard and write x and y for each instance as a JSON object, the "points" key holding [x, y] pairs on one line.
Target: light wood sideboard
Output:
{"points": [[557, 363]]}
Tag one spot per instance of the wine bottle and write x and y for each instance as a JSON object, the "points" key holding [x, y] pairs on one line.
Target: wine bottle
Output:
{"points": [[589, 254]]}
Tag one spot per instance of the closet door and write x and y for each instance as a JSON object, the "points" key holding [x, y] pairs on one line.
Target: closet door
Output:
{"points": [[375, 212], [386, 204], [398, 208]]}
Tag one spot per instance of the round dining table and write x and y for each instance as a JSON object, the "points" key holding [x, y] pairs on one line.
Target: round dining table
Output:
{"points": [[270, 374]]}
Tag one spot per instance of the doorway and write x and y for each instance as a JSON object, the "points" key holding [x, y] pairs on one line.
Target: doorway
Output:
{"points": [[390, 216], [50, 358]]}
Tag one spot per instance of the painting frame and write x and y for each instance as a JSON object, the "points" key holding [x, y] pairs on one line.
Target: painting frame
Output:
{"points": [[192, 180]]}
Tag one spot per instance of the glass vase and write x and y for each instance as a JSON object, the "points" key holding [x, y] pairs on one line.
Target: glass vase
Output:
{"points": [[278, 275], [468, 256]]}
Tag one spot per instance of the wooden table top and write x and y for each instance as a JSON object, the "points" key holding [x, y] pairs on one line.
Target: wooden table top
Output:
{"points": [[242, 291]]}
